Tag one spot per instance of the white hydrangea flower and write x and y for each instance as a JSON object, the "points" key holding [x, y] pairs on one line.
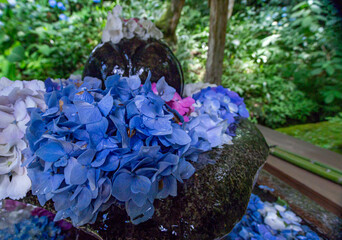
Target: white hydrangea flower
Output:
{"points": [[15, 98], [268, 207], [113, 29], [130, 27], [274, 221], [290, 217], [139, 32], [294, 228], [192, 88], [117, 28], [155, 32]]}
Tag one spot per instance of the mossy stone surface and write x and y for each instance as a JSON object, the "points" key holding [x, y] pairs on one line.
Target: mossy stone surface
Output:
{"points": [[208, 205], [327, 134]]}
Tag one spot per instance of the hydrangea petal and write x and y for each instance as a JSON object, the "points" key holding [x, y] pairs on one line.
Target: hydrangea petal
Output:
{"points": [[5, 119], [87, 112], [122, 187], [19, 186], [140, 184], [186, 169], [106, 104], [75, 173], [4, 183], [178, 136], [50, 152], [134, 82], [164, 90], [86, 157], [139, 214], [84, 199]]}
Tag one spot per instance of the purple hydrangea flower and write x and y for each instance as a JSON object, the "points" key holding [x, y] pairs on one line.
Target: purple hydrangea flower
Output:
{"points": [[222, 104]]}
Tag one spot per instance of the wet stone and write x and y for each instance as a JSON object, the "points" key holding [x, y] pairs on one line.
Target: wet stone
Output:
{"points": [[135, 56]]}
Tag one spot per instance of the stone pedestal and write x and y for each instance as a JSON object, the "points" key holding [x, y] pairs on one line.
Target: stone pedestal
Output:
{"points": [[208, 204]]}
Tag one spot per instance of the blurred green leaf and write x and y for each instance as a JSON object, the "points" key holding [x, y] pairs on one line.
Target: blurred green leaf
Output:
{"points": [[300, 5], [307, 21], [329, 98], [8, 69], [316, 71], [330, 70], [17, 54], [45, 49]]}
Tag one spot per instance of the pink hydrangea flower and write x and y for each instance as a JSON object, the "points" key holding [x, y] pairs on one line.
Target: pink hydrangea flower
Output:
{"points": [[182, 105]]}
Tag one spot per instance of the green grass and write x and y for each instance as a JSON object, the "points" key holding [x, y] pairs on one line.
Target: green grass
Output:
{"points": [[324, 134]]}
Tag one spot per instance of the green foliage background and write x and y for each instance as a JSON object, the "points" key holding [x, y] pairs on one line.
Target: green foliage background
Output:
{"points": [[283, 57]]}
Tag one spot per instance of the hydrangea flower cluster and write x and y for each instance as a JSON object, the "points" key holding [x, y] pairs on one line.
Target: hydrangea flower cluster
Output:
{"points": [[265, 220], [118, 28], [40, 212], [33, 228], [182, 105], [60, 5], [94, 147], [24, 221], [15, 98], [221, 104]]}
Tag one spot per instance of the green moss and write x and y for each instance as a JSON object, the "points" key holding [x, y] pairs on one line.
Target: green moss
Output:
{"points": [[324, 134]]}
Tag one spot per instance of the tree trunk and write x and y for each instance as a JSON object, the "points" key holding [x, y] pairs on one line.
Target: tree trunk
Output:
{"points": [[217, 37], [230, 8], [170, 19]]}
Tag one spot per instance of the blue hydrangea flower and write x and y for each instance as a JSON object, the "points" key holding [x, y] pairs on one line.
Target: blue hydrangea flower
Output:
{"points": [[63, 17], [93, 147], [33, 228], [96, 1], [52, 3], [253, 226], [266, 188], [221, 104], [61, 6]]}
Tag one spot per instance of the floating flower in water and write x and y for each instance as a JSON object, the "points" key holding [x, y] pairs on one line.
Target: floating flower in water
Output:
{"points": [[266, 188], [15, 98], [33, 228], [221, 103], [274, 221], [265, 220], [65, 226], [23, 221]]}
